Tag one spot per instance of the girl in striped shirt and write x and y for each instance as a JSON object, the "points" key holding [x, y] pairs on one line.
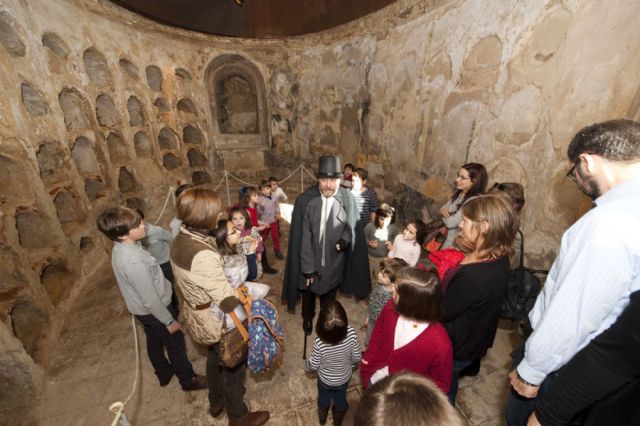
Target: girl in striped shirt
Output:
{"points": [[336, 350]]}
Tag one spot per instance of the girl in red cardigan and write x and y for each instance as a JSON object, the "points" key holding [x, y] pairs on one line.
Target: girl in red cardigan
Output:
{"points": [[408, 334]]}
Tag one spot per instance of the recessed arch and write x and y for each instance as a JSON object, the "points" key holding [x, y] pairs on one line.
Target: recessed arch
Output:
{"points": [[118, 151], [196, 158], [154, 77], [84, 155], [106, 111], [51, 162], [96, 66], [192, 135], [170, 161], [75, 108], [142, 144], [167, 139], [200, 178], [186, 105], [136, 111]]}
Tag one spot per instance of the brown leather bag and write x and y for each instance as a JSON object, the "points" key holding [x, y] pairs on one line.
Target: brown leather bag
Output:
{"points": [[234, 343]]}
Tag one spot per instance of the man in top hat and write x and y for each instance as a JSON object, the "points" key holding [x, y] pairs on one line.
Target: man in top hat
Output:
{"points": [[323, 234]]}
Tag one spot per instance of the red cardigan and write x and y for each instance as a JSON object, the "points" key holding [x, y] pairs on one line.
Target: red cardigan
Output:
{"points": [[430, 354]]}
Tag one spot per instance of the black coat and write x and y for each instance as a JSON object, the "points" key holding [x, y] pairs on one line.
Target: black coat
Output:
{"points": [[357, 279]]}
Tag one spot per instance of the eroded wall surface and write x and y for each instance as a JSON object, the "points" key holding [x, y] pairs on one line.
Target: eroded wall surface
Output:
{"points": [[101, 107]]}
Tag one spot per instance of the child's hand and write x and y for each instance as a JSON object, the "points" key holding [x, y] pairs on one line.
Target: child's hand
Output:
{"points": [[277, 216], [445, 212], [373, 244], [174, 327], [259, 257], [263, 227], [253, 245], [389, 245]]}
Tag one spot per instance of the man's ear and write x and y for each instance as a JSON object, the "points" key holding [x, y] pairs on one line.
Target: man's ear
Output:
{"points": [[589, 162]]}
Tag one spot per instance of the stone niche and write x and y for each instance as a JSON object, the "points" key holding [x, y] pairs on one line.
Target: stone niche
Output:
{"points": [[162, 104], [118, 149], [56, 278], [136, 112], [70, 211], [106, 112], [192, 135], [196, 158], [237, 105], [127, 183], [183, 74], [9, 38], [186, 105], [33, 101], [142, 144], [128, 68], [84, 155], [52, 163], [96, 67], [55, 44], [28, 321], [167, 139], [200, 178], [154, 78], [170, 161], [94, 188], [75, 108], [33, 231]]}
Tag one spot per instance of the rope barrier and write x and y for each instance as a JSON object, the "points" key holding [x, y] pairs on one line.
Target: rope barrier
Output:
{"points": [[118, 407], [171, 194]]}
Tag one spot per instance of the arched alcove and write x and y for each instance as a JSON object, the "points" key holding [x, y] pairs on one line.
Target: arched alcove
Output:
{"points": [[200, 178], [106, 112], [9, 38], [117, 147], [192, 135], [69, 209], [187, 105], [154, 77], [142, 144], [170, 161], [183, 74], [33, 231], [84, 156], [86, 243], [51, 162], [129, 69], [162, 104], [237, 96], [196, 158], [56, 278], [136, 203], [33, 100], [94, 188], [55, 44], [75, 108], [28, 321], [136, 112], [127, 182], [96, 67], [167, 139]]}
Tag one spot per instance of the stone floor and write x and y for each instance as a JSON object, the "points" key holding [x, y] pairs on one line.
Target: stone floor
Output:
{"points": [[93, 365]]}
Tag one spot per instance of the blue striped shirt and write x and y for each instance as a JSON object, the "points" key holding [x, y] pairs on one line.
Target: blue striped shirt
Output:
{"points": [[334, 363]]}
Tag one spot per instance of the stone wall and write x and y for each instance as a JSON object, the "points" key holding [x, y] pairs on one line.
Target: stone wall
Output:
{"points": [[99, 107]]}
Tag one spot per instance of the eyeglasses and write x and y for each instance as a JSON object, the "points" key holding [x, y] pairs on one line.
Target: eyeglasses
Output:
{"points": [[462, 177], [571, 174]]}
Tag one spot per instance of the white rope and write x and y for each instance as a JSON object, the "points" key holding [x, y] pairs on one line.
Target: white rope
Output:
{"points": [[118, 407], [171, 194], [221, 180], [292, 173], [241, 181], [308, 172]]}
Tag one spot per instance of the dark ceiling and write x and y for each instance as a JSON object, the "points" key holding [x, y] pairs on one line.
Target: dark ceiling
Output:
{"points": [[254, 18]]}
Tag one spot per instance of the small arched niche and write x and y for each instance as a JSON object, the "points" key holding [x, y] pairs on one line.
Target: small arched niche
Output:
{"points": [[200, 178], [196, 158], [106, 111], [57, 280], [33, 231], [237, 97], [129, 69], [127, 182], [187, 106], [84, 156], [55, 44], [96, 67], [117, 147], [167, 139], [136, 203], [136, 112], [142, 144], [9, 38], [170, 161], [162, 104], [69, 209], [154, 77], [28, 321], [52, 163], [94, 188], [33, 101], [192, 135], [183, 74], [75, 108]]}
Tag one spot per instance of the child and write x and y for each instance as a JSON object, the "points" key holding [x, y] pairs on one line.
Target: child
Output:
{"points": [[269, 213], [381, 232], [176, 223], [381, 293], [347, 176], [408, 334], [276, 190], [147, 295], [242, 222], [336, 351], [251, 203], [408, 244]]}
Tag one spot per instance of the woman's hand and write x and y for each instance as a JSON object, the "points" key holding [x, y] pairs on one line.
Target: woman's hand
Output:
{"points": [[373, 244], [389, 245], [445, 212], [253, 245]]}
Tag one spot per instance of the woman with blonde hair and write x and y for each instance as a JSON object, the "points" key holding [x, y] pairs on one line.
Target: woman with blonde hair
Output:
{"points": [[475, 288], [198, 269]]}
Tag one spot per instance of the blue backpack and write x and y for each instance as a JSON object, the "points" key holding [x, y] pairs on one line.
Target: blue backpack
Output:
{"points": [[266, 339]]}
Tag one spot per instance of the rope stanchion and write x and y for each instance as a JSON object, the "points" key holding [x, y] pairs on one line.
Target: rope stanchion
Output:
{"points": [[117, 408], [228, 193], [171, 194], [221, 181]]}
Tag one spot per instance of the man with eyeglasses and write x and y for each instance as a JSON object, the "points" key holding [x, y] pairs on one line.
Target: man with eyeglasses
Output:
{"points": [[597, 267]]}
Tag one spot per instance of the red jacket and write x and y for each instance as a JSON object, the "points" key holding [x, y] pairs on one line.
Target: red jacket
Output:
{"points": [[430, 354]]}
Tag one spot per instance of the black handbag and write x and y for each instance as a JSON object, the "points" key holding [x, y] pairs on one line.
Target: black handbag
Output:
{"points": [[522, 290]]}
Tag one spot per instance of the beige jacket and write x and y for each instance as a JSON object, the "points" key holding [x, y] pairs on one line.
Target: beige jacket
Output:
{"points": [[199, 277]]}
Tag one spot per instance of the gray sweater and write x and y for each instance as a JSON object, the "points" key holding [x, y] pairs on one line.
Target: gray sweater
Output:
{"points": [[158, 242], [140, 279]]}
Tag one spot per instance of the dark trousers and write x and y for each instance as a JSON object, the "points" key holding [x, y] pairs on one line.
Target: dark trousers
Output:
{"points": [[458, 366], [225, 385], [309, 302], [168, 274], [328, 393], [159, 339]]}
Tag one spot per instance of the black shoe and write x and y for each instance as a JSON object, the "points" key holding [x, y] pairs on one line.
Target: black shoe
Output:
{"points": [[165, 382], [323, 413], [307, 326], [217, 411], [269, 270], [197, 382], [338, 416], [471, 370], [279, 255]]}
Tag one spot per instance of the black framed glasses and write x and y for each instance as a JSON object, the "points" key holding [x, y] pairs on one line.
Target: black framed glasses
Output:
{"points": [[571, 174]]}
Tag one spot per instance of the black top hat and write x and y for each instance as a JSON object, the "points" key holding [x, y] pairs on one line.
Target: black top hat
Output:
{"points": [[329, 167]]}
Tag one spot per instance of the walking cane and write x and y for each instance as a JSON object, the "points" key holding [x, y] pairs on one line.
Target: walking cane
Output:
{"points": [[304, 350]]}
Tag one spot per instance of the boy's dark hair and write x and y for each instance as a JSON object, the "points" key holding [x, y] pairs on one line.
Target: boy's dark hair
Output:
{"points": [[116, 222], [272, 179], [220, 234], [350, 166], [615, 140], [513, 190], [247, 218], [419, 295], [180, 189], [332, 323], [361, 173], [246, 196], [421, 231], [264, 183], [390, 267], [384, 211], [406, 398]]}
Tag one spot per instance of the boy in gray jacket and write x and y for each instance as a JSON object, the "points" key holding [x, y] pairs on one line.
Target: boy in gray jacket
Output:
{"points": [[147, 295]]}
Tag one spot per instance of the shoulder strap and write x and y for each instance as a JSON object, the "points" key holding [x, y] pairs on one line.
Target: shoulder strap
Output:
{"points": [[521, 248], [239, 326]]}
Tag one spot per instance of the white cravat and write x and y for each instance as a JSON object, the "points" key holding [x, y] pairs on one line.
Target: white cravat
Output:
{"points": [[327, 204]]}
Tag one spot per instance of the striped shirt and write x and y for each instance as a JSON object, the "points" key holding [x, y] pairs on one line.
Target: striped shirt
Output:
{"points": [[367, 203], [334, 363]]}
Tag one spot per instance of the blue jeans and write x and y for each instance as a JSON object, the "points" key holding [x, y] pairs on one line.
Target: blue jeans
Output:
{"points": [[458, 366], [336, 393]]}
